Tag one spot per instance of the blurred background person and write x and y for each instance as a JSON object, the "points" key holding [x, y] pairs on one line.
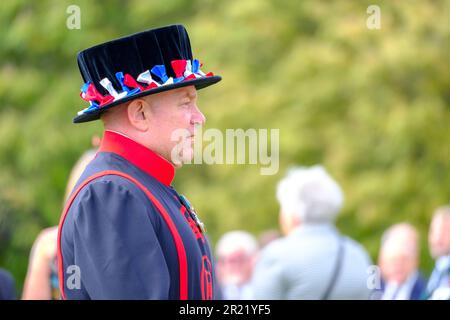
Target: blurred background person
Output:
{"points": [[7, 286], [398, 261], [313, 260], [438, 286], [267, 237], [41, 282], [236, 253]]}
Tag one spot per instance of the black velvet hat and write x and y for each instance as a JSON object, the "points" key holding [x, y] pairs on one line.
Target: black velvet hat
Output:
{"points": [[138, 65]]}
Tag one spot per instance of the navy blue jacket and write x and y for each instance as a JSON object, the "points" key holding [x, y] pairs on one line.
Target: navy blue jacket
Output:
{"points": [[417, 290], [7, 288], [115, 242]]}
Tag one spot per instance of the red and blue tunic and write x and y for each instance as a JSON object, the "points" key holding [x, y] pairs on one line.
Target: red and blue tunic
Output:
{"points": [[127, 233]]}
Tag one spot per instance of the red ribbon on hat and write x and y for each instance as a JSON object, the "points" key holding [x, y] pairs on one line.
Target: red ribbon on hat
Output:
{"points": [[190, 77], [178, 67], [92, 94], [130, 82], [151, 85]]}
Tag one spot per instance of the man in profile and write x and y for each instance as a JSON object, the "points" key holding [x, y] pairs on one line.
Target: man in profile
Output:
{"points": [[126, 233]]}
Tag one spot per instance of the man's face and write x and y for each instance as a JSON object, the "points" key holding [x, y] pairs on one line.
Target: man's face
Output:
{"points": [[439, 236], [234, 267], [399, 256], [397, 266], [171, 112]]}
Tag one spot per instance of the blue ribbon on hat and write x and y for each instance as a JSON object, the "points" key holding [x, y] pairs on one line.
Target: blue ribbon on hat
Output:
{"points": [[120, 77], [85, 86], [195, 66], [160, 71]]}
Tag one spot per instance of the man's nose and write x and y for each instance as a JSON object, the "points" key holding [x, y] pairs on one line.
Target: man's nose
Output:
{"points": [[197, 116]]}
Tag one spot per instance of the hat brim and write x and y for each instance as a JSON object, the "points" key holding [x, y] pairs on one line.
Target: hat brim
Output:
{"points": [[199, 83]]}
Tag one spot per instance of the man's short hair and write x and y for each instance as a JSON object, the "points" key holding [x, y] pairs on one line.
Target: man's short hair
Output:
{"points": [[236, 240], [311, 194], [401, 237]]}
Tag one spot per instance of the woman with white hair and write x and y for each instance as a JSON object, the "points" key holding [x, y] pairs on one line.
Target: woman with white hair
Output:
{"points": [[313, 260]]}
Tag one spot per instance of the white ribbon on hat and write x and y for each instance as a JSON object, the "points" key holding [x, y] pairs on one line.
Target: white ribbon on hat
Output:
{"points": [[106, 83], [188, 70], [146, 77]]}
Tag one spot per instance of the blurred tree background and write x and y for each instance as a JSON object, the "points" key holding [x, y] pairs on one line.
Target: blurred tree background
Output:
{"points": [[372, 106]]}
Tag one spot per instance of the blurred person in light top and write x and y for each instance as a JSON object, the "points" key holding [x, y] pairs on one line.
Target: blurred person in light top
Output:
{"points": [[236, 253], [399, 262], [313, 260], [438, 287]]}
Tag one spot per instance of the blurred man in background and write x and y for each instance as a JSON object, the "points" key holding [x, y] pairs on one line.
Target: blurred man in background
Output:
{"points": [[236, 253], [438, 286], [313, 260], [399, 261]]}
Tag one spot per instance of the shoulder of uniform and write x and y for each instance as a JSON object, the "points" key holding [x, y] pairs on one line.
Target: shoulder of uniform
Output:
{"points": [[111, 187], [115, 192], [113, 181]]}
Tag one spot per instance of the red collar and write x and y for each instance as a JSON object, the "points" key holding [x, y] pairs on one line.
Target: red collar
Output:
{"points": [[140, 156]]}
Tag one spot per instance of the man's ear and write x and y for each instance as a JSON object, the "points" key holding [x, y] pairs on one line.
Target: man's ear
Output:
{"points": [[138, 114]]}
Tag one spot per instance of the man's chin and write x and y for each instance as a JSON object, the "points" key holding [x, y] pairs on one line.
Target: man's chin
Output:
{"points": [[184, 158]]}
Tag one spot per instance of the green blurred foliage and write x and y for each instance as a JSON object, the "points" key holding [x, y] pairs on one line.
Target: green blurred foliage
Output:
{"points": [[370, 105]]}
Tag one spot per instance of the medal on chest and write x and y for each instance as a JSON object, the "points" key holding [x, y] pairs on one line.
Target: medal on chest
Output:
{"points": [[192, 213]]}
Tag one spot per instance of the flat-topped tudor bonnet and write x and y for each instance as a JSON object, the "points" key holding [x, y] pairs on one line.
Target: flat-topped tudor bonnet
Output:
{"points": [[138, 65]]}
